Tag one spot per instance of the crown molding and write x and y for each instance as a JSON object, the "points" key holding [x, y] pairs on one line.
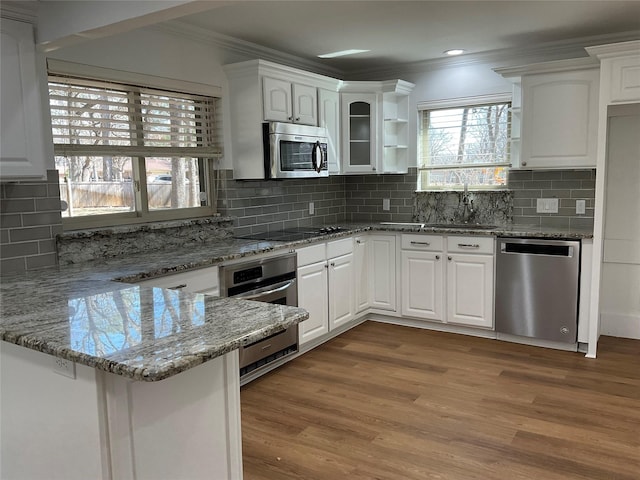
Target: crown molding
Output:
{"points": [[25, 11], [250, 49], [615, 49]]}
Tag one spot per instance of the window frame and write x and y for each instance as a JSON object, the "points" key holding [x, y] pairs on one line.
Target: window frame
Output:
{"points": [[87, 75], [460, 102]]}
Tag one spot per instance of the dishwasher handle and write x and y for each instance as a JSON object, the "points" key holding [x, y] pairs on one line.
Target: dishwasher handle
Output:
{"points": [[531, 248]]}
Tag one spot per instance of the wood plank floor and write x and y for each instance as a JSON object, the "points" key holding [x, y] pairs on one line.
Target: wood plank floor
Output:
{"points": [[388, 402]]}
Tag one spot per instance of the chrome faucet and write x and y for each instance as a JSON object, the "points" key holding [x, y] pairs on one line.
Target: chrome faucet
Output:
{"points": [[467, 210]]}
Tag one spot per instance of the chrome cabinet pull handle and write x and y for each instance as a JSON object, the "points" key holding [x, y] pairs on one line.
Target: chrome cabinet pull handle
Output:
{"points": [[437, 257], [468, 245], [178, 287], [358, 242], [449, 258], [420, 243]]}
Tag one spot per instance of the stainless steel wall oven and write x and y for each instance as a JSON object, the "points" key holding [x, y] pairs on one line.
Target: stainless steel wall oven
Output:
{"points": [[271, 280]]}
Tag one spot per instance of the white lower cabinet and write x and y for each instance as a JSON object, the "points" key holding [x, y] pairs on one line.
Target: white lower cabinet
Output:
{"points": [[470, 290], [459, 293], [313, 295], [203, 280], [325, 287], [382, 255], [341, 304], [422, 285], [362, 282]]}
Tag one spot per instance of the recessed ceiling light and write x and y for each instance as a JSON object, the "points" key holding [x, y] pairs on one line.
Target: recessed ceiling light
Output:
{"points": [[454, 51], [342, 53]]}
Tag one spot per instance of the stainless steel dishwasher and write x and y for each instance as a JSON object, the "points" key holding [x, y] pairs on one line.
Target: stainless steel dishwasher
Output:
{"points": [[536, 290]]}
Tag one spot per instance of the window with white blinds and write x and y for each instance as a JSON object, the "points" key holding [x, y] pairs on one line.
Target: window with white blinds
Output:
{"points": [[126, 152], [464, 145]]}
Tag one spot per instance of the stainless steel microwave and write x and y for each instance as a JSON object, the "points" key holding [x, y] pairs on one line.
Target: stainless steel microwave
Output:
{"points": [[294, 151]]}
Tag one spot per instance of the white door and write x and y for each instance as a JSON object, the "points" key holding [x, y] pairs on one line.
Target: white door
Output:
{"points": [[329, 118], [341, 298], [276, 99], [383, 265], [362, 274], [422, 285], [470, 290], [313, 297], [305, 104]]}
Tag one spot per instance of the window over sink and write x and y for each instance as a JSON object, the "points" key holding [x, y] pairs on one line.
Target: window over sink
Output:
{"points": [[464, 142], [132, 153]]}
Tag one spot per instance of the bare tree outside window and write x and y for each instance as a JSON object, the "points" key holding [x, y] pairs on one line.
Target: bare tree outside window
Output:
{"points": [[464, 145]]}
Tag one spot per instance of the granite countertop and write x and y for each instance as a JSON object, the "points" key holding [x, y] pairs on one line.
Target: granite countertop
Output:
{"points": [[85, 313], [77, 312]]}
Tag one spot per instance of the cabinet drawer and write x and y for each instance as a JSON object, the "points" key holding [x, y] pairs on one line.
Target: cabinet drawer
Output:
{"points": [[470, 244], [431, 243], [203, 280], [312, 254], [340, 247]]}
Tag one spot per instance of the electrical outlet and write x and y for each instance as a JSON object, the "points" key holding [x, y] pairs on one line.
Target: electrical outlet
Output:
{"points": [[312, 208], [386, 204], [547, 205], [581, 207], [64, 367]]}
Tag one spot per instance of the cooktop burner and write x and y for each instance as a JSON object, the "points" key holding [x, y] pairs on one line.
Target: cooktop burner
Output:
{"points": [[294, 234]]}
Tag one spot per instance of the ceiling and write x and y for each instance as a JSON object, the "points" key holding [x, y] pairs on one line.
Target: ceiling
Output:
{"points": [[404, 32]]}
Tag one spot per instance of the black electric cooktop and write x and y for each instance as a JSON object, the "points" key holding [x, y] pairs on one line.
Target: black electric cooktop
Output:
{"points": [[293, 234]]}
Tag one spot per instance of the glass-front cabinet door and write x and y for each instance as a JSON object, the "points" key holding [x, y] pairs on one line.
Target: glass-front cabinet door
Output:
{"points": [[359, 147]]}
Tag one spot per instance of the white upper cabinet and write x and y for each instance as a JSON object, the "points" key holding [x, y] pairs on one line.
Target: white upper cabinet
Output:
{"points": [[261, 91], [22, 154], [285, 101], [359, 128], [329, 118], [375, 126], [619, 71], [556, 125]]}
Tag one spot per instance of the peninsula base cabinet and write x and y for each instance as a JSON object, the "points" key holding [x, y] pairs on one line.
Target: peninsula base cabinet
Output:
{"points": [[98, 425]]}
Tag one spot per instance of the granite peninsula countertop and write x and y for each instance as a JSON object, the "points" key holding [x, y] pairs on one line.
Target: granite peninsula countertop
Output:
{"points": [[86, 314], [79, 313]]}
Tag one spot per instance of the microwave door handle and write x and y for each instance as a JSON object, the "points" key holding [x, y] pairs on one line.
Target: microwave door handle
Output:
{"points": [[261, 292], [316, 157]]}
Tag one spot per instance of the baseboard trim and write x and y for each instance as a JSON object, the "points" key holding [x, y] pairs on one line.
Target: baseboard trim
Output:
{"points": [[620, 325]]}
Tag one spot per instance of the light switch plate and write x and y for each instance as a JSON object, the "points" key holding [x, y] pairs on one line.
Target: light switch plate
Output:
{"points": [[312, 208], [386, 204], [581, 207], [547, 205]]}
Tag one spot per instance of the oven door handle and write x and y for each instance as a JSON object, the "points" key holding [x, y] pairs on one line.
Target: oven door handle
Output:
{"points": [[261, 292]]}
